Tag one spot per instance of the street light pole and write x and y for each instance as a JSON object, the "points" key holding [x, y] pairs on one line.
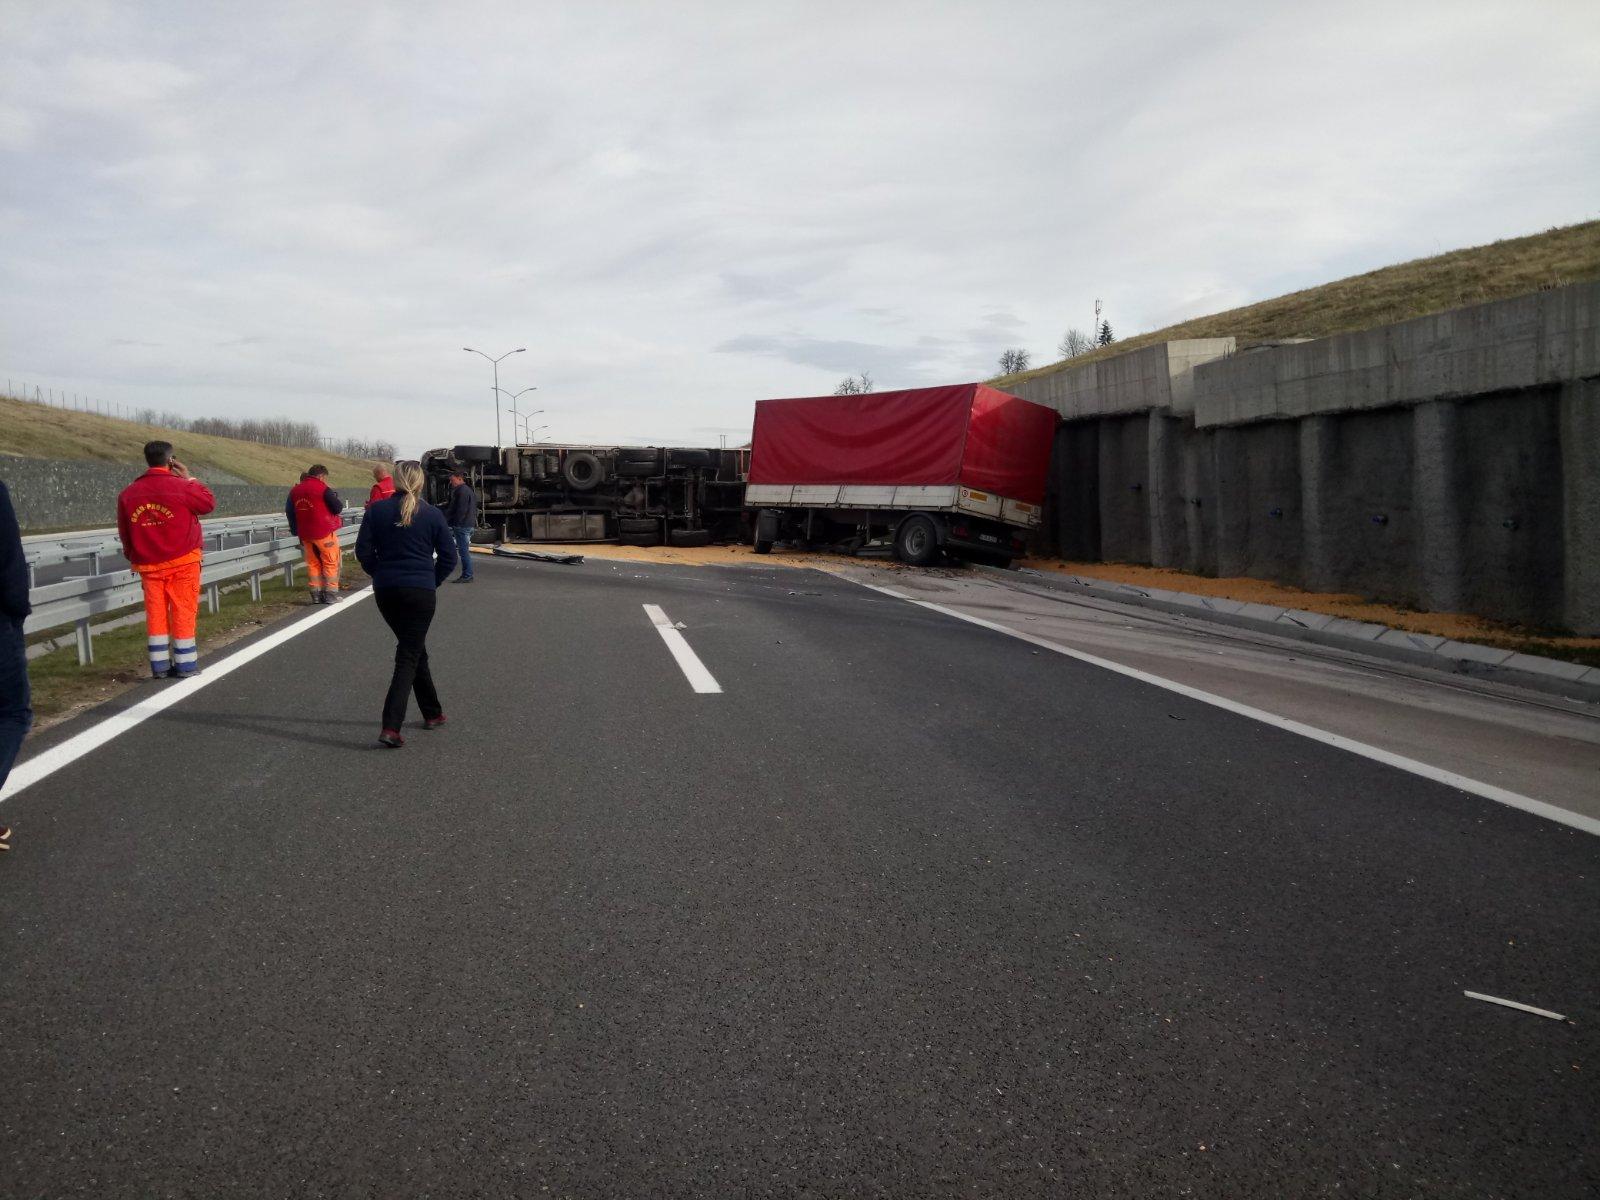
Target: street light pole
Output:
{"points": [[513, 409], [496, 363]]}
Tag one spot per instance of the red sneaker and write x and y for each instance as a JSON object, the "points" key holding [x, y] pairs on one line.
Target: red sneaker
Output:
{"points": [[434, 722], [391, 738]]}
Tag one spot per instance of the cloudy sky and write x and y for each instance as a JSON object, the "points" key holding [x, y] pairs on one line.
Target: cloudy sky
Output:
{"points": [[309, 209]]}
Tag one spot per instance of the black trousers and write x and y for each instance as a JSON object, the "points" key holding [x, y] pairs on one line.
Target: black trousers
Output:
{"points": [[409, 612]]}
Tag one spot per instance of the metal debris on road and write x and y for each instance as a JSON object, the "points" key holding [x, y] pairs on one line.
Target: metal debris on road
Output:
{"points": [[1528, 1008], [538, 556]]}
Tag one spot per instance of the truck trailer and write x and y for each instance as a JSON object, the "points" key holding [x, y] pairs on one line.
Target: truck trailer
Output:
{"points": [[956, 470]]}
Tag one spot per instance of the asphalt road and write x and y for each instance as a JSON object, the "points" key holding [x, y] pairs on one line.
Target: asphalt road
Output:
{"points": [[910, 908]]}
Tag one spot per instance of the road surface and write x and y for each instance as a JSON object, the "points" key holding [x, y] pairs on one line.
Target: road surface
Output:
{"points": [[907, 907]]}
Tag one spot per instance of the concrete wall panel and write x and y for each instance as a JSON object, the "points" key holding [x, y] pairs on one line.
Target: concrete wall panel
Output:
{"points": [[1509, 502], [1124, 447]]}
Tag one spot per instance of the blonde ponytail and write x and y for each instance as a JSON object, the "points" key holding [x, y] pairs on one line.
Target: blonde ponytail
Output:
{"points": [[408, 481]]}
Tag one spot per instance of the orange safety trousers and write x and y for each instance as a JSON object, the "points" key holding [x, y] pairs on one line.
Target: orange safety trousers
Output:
{"points": [[322, 563], [171, 608]]}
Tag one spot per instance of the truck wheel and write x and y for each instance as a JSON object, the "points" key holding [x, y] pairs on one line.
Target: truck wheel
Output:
{"points": [[474, 454], [653, 538], [916, 542], [688, 537], [638, 525], [582, 471], [764, 531]]}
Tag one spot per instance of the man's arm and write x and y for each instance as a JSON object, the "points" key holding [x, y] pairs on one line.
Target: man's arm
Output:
{"points": [[366, 552], [333, 500], [13, 566], [288, 514], [124, 529], [444, 545]]}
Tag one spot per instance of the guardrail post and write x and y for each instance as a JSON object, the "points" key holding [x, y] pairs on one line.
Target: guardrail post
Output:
{"points": [[213, 598], [85, 642], [94, 562], [288, 574], [255, 585]]}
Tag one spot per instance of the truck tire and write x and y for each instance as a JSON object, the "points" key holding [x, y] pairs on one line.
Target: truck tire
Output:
{"points": [[688, 537], [764, 531], [582, 471], [691, 458], [636, 525], [488, 537], [916, 542], [473, 454], [653, 538]]}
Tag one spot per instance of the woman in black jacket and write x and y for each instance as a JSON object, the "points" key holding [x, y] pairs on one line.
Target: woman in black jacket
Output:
{"points": [[407, 548]]}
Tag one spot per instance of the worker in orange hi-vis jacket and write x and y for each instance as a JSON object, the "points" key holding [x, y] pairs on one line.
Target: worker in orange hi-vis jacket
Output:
{"points": [[313, 510], [158, 520]]}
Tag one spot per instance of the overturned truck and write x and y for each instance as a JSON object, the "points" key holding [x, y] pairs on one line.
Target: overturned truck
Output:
{"points": [[636, 495]]}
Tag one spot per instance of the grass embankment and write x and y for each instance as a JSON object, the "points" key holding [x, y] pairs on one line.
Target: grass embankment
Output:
{"points": [[1461, 627], [1395, 293], [61, 688], [39, 431]]}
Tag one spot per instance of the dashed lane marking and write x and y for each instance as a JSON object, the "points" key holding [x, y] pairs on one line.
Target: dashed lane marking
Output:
{"points": [[699, 678]]}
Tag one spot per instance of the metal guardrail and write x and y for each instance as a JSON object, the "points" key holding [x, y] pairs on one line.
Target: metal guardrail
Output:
{"points": [[93, 545], [78, 601]]}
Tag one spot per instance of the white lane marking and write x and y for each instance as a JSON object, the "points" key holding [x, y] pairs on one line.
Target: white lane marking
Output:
{"points": [[699, 678], [1527, 1008], [42, 766], [1476, 787]]}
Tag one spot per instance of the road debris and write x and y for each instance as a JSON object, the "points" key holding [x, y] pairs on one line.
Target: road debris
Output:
{"points": [[1527, 1008], [538, 556]]}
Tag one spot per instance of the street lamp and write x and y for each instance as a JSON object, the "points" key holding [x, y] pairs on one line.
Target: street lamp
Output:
{"points": [[513, 409], [516, 416], [496, 363], [528, 435]]}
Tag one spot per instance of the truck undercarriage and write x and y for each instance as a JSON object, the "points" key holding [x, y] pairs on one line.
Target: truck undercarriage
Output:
{"points": [[635, 495]]}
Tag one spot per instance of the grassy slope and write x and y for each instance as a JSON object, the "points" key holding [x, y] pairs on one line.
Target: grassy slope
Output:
{"points": [[38, 431], [1411, 289]]}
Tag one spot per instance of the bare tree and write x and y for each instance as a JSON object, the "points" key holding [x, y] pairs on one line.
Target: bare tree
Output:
{"points": [[850, 385], [1013, 362], [1075, 342]]}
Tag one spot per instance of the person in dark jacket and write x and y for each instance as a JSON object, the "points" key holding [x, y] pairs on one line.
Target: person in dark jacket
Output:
{"points": [[15, 714], [406, 547], [462, 516]]}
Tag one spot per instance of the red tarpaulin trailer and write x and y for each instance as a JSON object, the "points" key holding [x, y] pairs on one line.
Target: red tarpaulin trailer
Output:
{"points": [[965, 448]]}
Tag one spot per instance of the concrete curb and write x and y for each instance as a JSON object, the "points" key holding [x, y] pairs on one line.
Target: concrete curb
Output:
{"points": [[1573, 680]]}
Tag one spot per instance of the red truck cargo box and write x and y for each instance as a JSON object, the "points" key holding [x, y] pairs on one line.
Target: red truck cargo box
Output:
{"points": [[966, 434]]}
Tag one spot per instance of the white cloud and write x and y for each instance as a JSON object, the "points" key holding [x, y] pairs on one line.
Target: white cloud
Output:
{"points": [[309, 208]]}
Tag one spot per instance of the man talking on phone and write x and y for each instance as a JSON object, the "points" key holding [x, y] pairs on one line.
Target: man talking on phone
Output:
{"points": [[158, 520]]}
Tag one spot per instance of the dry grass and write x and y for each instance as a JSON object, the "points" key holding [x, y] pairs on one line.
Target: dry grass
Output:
{"points": [[39, 431], [1396, 293]]}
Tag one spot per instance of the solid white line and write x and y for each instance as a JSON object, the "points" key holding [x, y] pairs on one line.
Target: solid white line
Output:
{"points": [[1527, 1008], [42, 766], [699, 678], [1449, 778]]}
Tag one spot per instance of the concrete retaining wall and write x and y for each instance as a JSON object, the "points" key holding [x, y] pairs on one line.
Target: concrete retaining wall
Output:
{"points": [[1450, 462], [60, 494]]}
